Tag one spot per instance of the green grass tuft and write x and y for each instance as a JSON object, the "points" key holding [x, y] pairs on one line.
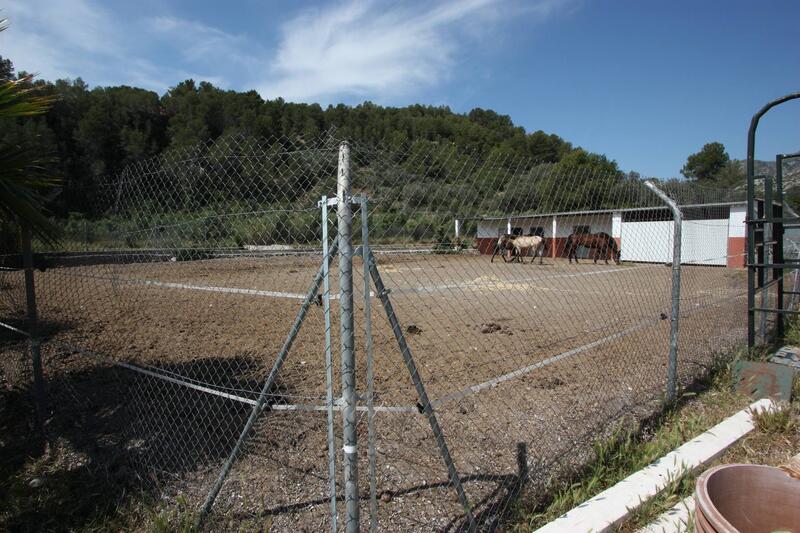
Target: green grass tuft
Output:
{"points": [[778, 421], [180, 519]]}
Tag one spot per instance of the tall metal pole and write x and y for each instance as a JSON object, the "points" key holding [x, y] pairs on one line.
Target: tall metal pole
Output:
{"points": [[33, 319], [326, 303], [365, 254], [766, 255], [751, 148], [349, 438], [672, 365], [777, 231], [751, 258]]}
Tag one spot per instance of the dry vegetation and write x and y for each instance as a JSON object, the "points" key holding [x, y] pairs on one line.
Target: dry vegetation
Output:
{"points": [[775, 440]]}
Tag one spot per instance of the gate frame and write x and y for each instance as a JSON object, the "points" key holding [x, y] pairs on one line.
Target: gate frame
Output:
{"points": [[764, 223]]}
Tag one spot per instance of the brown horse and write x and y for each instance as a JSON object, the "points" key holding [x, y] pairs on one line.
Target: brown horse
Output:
{"points": [[601, 243]]}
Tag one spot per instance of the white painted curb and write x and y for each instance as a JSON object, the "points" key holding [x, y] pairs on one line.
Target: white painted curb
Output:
{"points": [[612, 506]]}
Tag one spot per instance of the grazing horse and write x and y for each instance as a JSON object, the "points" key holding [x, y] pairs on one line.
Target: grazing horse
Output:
{"points": [[520, 246], [601, 243]]}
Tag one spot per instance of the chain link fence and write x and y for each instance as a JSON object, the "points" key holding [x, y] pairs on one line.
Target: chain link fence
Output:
{"points": [[202, 337]]}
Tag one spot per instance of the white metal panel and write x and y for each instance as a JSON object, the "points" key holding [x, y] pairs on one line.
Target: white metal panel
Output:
{"points": [[648, 242], [704, 242], [736, 225]]}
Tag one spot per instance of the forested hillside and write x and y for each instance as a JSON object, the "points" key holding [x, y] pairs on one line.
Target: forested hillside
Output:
{"points": [[93, 133]]}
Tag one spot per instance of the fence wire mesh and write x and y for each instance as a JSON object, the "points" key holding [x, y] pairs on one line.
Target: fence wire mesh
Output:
{"points": [[533, 297]]}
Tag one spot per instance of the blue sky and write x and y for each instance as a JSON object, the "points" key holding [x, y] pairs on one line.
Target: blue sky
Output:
{"points": [[644, 82]]}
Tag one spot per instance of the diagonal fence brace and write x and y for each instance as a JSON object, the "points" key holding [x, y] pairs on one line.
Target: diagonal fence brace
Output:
{"points": [[424, 401], [262, 397]]}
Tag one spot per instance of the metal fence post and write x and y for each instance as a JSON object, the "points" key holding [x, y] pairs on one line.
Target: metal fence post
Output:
{"points": [[365, 254], [350, 444], [33, 319], [766, 252], [777, 232], [326, 303], [672, 364], [751, 258]]}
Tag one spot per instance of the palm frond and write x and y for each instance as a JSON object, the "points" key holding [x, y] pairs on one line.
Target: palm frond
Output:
{"points": [[18, 99], [23, 178], [23, 174]]}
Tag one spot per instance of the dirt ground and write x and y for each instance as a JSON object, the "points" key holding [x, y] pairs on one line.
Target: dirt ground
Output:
{"points": [[526, 364]]}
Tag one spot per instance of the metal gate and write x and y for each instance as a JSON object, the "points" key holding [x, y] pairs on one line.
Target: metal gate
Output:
{"points": [[766, 222]]}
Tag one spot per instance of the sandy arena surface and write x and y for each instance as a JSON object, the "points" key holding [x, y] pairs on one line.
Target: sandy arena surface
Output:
{"points": [[517, 358]]}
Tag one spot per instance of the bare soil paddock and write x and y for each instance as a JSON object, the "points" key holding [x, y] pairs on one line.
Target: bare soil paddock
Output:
{"points": [[525, 363]]}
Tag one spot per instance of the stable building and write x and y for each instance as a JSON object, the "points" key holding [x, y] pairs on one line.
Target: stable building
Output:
{"points": [[711, 234]]}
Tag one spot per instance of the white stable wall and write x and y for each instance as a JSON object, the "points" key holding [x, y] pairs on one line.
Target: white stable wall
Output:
{"points": [[704, 242], [647, 242]]}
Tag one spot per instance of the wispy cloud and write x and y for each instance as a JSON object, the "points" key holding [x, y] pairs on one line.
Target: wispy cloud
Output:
{"points": [[364, 47], [56, 38], [201, 43], [353, 48], [82, 38]]}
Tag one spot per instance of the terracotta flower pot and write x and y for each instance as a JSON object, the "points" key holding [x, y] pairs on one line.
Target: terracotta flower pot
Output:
{"points": [[747, 499]]}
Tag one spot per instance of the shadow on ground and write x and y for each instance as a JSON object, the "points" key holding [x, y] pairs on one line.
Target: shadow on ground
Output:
{"points": [[114, 437]]}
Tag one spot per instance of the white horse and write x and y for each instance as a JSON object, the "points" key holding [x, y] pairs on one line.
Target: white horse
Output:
{"points": [[521, 246]]}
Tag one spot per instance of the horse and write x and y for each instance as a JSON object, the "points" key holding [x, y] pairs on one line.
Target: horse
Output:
{"points": [[521, 246], [599, 242], [503, 245]]}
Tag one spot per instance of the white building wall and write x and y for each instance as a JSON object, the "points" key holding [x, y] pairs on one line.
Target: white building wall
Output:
{"points": [[597, 223], [616, 225], [647, 241], [705, 242], [564, 225], [736, 225], [490, 228]]}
